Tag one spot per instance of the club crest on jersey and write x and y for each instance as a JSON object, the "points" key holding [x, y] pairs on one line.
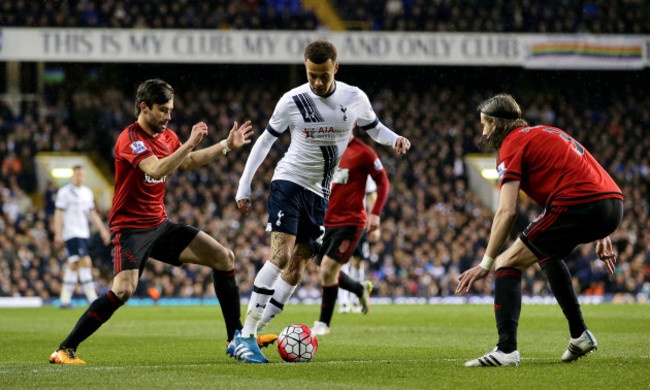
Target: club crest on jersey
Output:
{"points": [[138, 147], [345, 115]]}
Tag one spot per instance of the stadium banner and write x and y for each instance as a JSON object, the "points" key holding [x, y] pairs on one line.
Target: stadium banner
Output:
{"points": [[577, 51], [586, 52]]}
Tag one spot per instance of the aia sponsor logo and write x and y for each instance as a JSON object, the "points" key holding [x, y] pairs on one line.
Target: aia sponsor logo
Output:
{"points": [[314, 132]]}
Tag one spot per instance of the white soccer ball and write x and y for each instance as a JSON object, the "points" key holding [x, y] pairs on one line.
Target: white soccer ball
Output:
{"points": [[297, 344]]}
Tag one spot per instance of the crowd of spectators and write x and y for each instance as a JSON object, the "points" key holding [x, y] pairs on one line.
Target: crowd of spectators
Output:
{"points": [[177, 14], [553, 16], [433, 227]]}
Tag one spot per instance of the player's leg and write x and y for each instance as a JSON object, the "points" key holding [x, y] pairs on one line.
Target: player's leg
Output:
{"points": [[70, 271], [343, 295], [268, 282], [286, 284], [507, 305], [70, 278], [308, 222], [204, 250], [99, 311], [329, 278], [131, 247], [284, 206], [86, 278], [356, 274]]}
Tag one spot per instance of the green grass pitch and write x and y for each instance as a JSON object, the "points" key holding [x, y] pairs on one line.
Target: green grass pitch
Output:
{"points": [[393, 347]]}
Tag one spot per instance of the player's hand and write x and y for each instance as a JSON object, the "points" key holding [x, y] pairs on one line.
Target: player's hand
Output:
{"points": [[402, 146], [374, 235], [606, 253], [244, 205], [372, 223], [58, 241], [239, 135], [199, 131], [106, 236], [467, 278]]}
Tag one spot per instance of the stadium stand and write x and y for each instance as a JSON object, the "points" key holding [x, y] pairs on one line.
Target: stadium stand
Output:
{"points": [[433, 226], [556, 16]]}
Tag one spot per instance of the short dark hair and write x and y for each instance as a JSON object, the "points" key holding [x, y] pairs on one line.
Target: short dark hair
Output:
{"points": [[320, 51], [77, 167], [153, 91], [504, 113]]}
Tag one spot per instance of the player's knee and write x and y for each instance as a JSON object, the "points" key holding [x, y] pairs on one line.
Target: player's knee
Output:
{"points": [[123, 293], [328, 275], [229, 259], [281, 260]]}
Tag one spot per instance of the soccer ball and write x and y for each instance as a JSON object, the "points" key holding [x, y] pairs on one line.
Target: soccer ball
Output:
{"points": [[297, 344]]}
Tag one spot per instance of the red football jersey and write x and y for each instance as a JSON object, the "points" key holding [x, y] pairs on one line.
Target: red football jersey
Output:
{"points": [[138, 201], [553, 168], [346, 203]]}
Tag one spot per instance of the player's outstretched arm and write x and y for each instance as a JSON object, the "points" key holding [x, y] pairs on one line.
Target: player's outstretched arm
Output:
{"points": [[504, 219], [97, 221], [159, 168], [238, 137], [258, 153]]}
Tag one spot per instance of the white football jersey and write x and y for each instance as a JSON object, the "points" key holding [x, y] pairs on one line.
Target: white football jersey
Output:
{"points": [[320, 129], [76, 203]]}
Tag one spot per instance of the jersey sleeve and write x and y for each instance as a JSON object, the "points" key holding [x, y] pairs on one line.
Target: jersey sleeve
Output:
{"points": [[367, 118], [130, 147], [61, 199], [280, 119], [510, 160]]}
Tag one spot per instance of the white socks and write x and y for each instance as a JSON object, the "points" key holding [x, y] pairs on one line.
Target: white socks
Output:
{"points": [[69, 284], [87, 283], [283, 292], [263, 290]]}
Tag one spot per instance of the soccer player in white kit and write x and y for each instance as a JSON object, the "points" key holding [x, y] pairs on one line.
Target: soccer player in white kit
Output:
{"points": [[320, 116], [75, 207]]}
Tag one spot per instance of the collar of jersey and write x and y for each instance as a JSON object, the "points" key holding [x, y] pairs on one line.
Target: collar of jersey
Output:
{"points": [[327, 95], [141, 130]]}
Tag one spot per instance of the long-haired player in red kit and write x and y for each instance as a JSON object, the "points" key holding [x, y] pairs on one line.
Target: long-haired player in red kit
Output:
{"points": [[582, 204]]}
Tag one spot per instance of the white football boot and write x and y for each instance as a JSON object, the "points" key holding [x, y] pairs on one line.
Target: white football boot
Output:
{"points": [[320, 328], [580, 347], [495, 358]]}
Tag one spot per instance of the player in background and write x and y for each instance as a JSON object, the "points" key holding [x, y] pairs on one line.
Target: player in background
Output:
{"points": [[582, 204], [74, 209], [348, 301], [146, 152], [320, 116], [345, 221]]}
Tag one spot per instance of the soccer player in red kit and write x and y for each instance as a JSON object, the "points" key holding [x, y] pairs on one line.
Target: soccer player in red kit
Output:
{"points": [[582, 204], [345, 220], [147, 152]]}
